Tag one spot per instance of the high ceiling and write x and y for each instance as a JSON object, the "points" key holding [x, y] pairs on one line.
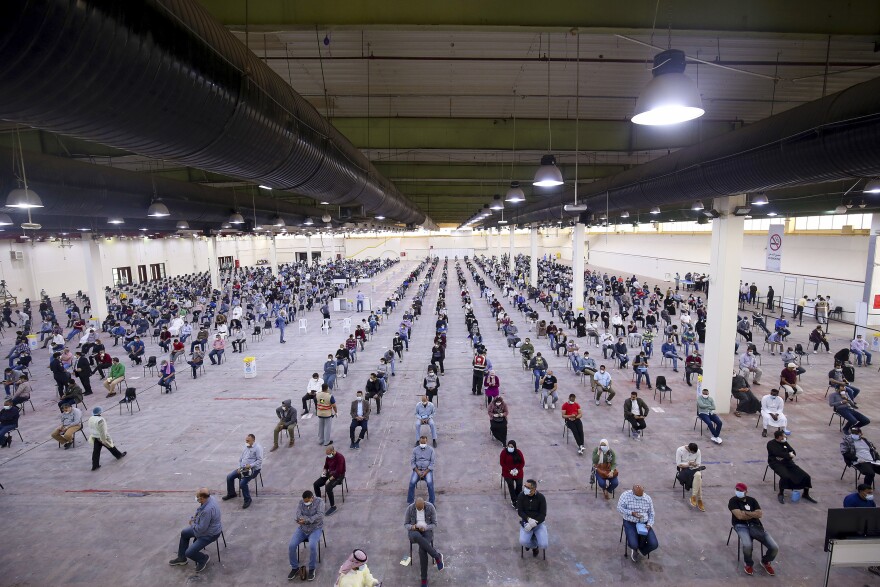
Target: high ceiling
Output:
{"points": [[450, 100]]}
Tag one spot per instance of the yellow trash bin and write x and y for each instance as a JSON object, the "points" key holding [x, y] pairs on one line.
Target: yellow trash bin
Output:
{"points": [[33, 343], [250, 367]]}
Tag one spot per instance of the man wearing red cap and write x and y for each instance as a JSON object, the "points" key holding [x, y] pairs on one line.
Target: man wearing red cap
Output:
{"points": [[746, 522]]}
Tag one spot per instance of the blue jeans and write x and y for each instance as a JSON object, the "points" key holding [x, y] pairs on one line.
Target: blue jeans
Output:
{"points": [[853, 391], [687, 347], [607, 484], [215, 355], [852, 418], [413, 480], [537, 538], [330, 379], [538, 373], [243, 484], [713, 423], [747, 537], [314, 537], [644, 544], [73, 333], [7, 429], [360, 306], [194, 551], [859, 355], [639, 376], [674, 360], [430, 424], [280, 333], [405, 339]]}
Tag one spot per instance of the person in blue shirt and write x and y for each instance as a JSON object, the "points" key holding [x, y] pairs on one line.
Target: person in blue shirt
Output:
{"points": [[862, 498], [204, 528], [669, 351]]}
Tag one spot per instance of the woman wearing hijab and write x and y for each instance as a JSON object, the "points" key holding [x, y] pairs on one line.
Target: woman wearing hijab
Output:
{"points": [[498, 419], [491, 383], [605, 468], [354, 572], [512, 464]]}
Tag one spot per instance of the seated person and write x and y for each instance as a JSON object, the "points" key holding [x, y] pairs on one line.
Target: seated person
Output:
{"points": [[238, 339], [219, 346], [71, 423], [747, 403], [689, 472], [836, 378], [621, 351], [862, 498], [422, 463], [844, 405], [858, 452], [635, 410], [637, 510], [771, 411], [670, 351], [73, 394], [166, 375], [177, 349], [640, 367], [8, 422], [788, 382], [605, 468], [136, 351], [780, 457], [706, 412], [790, 356], [746, 519], [195, 361], [532, 509], [774, 339]]}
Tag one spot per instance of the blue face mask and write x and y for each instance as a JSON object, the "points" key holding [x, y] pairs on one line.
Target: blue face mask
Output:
{"points": [[740, 494]]}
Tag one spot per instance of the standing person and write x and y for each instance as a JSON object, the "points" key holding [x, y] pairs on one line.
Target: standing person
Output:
{"points": [[571, 415], [431, 383], [310, 526], [637, 510], [360, 301], [286, 421], [512, 464], [746, 517], [326, 409], [532, 509], [689, 472], [249, 464], [605, 468], [280, 323], [498, 413], [83, 370], [437, 357], [419, 520], [770, 296], [706, 412], [479, 370], [332, 476], [360, 416], [99, 438], [204, 528], [354, 572]]}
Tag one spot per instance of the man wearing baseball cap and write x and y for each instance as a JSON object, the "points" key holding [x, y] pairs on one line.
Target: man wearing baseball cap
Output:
{"points": [[746, 522], [788, 381]]}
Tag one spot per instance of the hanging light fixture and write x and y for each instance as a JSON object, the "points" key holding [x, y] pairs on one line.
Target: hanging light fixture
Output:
{"points": [[158, 209], [548, 174], [308, 221], [236, 218], [670, 97], [655, 210], [515, 194], [760, 200], [697, 206], [5, 220], [497, 204], [182, 225], [22, 197], [841, 209], [225, 226], [115, 220], [624, 214], [277, 221], [872, 187]]}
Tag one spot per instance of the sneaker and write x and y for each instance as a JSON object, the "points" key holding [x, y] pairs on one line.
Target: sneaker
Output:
{"points": [[349, 446], [718, 440], [434, 443], [769, 569], [597, 402], [311, 575], [330, 511], [293, 572], [230, 496], [781, 498], [809, 498], [607, 402], [634, 555], [177, 561], [201, 566], [440, 561], [357, 445], [581, 450], [749, 570], [546, 407], [553, 406]]}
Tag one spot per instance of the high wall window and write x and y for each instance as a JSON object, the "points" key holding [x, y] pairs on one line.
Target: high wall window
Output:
{"points": [[833, 222]]}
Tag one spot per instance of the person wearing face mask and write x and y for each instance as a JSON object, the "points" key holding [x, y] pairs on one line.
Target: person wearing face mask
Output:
{"points": [[425, 417], [746, 517], [513, 462], [637, 510], [862, 498], [419, 521], [788, 382], [749, 365], [249, 464], [204, 529], [771, 410], [332, 476], [8, 422], [605, 468], [498, 419], [706, 412], [843, 404], [492, 383], [549, 385], [310, 526], [571, 415], [360, 416], [354, 571], [602, 384], [431, 383], [780, 457], [747, 403], [312, 388], [836, 378], [422, 463], [635, 411], [689, 472], [374, 389], [532, 509], [286, 420], [166, 372], [858, 452]]}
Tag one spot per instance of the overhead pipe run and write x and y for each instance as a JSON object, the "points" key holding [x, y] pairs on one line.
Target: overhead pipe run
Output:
{"points": [[164, 79], [836, 137]]}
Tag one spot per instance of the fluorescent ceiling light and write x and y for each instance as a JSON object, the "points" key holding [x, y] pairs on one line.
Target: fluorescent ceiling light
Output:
{"points": [[624, 214], [380, 218], [670, 97], [264, 187]]}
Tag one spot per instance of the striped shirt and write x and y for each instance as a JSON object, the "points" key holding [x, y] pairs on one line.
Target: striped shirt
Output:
{"points": [[629, 502]]}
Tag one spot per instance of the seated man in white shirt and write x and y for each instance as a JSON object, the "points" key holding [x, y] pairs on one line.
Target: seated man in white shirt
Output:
{"points": [[771, 411], [860, 348]]}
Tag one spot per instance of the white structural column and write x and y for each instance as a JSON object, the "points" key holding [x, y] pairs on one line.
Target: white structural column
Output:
{"points": [[511, 262], [533, 265], [273, 254], [725, 263], [577, 268], [95, 279], [872, 276], [213, 263], [309, 251]]}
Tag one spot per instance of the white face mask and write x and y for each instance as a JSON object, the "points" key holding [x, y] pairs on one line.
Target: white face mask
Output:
{"points": [[855, 436], [423, 446], [740, 494], [510, 449], [360, 399], [870, 497], [603, 448]]}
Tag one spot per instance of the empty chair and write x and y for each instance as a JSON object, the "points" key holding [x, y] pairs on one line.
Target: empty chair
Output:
{"points": [[151, 365], [304, 325], [257, 334]]}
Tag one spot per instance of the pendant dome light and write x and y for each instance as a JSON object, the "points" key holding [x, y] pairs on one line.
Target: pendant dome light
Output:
{"points": [[872, 187], [182, 225], [548, 174], [515, 194], [497, 204], [698, 206], [236, 218], [22, 197], [670, 97], [760, 200]]}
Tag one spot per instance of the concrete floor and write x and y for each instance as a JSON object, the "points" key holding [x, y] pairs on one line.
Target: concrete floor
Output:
{"points": [[66, 525]]}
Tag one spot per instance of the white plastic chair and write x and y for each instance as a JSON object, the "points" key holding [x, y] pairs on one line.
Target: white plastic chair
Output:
{"points": [[326, 326], [304, 325], [346, 325]]}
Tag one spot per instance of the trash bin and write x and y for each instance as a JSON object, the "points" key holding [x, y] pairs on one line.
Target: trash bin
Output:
{"points": [[250, 367], [33, 342], [875, 342]]}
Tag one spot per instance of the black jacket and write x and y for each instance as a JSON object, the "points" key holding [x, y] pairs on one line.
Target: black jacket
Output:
{"points": [[531, 506]]}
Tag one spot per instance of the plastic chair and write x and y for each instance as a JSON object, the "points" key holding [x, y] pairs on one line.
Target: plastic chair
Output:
{"points": [[304, 325], [325, 326], [129, 399], [151, 365]]}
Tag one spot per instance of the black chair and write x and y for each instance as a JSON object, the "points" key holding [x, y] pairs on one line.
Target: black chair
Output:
{"points": [[661, 388], [595, 484], [82, 431], [739, 545], [764, 478], [323, 536], [858, 474], [522, 552], [411, 544], [151, 365], [258, 477], [839, 418], [701, 423], [217, 542], [130, 400], [295, 427], [257, 334], [625, 545], [9, 436], [674, 481]]}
